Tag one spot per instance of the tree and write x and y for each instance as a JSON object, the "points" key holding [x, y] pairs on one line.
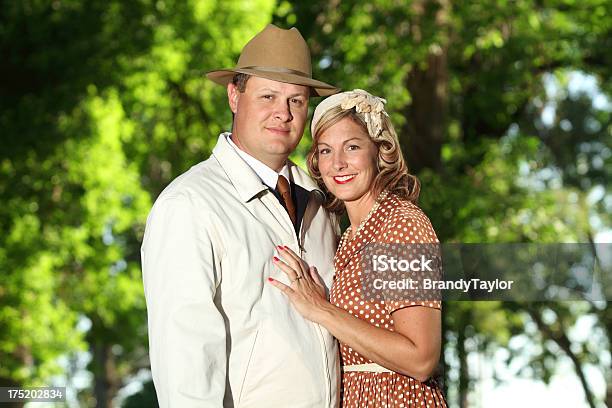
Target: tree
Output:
{"points": [[51, 52], [92, 111]]}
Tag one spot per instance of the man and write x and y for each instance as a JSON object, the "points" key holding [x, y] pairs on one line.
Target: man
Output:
{"points": [[219, 335]]}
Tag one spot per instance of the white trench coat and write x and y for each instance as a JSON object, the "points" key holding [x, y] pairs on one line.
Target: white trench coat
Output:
{"points": [[220, 335]]}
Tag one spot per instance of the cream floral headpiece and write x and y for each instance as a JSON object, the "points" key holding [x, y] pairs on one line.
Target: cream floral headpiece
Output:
{"points": [[371, 107]]}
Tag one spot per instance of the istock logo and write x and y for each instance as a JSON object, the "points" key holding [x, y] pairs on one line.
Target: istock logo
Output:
{"points": [[384, 263]]}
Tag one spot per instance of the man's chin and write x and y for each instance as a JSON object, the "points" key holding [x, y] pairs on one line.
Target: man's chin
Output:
{"points": [[281, 149]]}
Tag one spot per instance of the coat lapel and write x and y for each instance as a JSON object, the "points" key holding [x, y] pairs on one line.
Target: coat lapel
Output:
{"points": [[250, 189]]}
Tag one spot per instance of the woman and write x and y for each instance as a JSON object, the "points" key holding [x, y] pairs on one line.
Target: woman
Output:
{"points": [[389, 348]]}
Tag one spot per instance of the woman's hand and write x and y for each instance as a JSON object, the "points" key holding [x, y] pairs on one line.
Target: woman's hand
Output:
{"points": [[306, 291]]}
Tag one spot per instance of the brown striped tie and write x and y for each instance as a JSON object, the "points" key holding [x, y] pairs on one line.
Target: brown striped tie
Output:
{"points": [[282, 186]]}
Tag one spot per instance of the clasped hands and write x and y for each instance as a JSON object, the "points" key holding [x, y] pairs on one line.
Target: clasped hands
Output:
{"points": [[306, 291]]}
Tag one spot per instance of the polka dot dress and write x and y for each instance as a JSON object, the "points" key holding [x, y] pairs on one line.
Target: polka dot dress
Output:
{"points": [[394, 221]]}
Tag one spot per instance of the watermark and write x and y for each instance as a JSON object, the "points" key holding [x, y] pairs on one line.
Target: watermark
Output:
{"points": [[32, 394], [467, 285], [383, 263], [509, 272], [399, 272]]}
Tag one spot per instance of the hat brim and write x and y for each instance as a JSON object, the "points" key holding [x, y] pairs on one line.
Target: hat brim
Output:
{"points": [[224, 77]]}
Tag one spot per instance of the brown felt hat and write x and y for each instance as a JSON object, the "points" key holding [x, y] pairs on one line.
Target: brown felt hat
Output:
{"points": [[277, 54]]}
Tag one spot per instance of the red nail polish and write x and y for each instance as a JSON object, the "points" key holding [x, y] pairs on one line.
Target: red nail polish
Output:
{"points": [[276, 259], [286, 247], [270, 280], [280, 247]]}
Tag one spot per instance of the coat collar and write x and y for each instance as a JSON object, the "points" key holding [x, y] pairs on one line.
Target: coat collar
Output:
{"points": [[245, 180]]}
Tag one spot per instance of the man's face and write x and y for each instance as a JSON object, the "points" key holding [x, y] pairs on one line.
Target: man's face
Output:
{"points": [[269, 118]]}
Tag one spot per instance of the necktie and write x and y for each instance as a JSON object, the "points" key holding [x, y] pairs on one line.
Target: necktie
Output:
{"points": [[282, 186]]}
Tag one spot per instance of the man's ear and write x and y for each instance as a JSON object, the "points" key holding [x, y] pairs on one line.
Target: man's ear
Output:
{"points": [[233, 94]]}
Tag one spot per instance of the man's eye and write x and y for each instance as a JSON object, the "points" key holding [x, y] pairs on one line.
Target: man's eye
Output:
{"points": [[296, 101], [267, 96]]}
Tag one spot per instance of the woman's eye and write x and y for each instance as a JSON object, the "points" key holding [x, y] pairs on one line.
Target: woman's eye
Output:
{"points": [[324, 151], [353, 147]]}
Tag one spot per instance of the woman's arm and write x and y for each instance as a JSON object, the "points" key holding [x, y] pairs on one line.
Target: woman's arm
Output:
{"points": [[412, 349]]}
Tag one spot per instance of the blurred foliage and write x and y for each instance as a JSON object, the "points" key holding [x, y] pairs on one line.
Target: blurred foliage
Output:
{"points": [[144, 398], [102, 103]]}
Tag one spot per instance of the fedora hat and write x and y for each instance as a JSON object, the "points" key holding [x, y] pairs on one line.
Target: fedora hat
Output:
{"points": [[279, 55]]}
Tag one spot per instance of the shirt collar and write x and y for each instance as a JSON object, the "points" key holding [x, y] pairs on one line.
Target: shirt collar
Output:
{"points": [[265, 173], [243, 177]]}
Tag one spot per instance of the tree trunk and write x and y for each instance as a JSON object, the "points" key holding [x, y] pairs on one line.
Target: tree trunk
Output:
{"points": [[561, 339], [464, 380], [106, 379], [426, 116], [443, 375], [7, 382]]}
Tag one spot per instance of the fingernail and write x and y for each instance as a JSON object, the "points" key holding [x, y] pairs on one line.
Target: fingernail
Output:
{"points": [[276, 259], [270, 280], [280, 247], [286, 247]]}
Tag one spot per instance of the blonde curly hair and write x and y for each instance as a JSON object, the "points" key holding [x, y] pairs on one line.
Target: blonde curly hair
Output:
{"points": [[368, 112]]}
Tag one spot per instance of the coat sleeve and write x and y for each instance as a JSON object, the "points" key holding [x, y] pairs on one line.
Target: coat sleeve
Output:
{"points": [[187, 336]]}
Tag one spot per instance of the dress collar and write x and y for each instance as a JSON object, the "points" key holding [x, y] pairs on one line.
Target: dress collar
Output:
{"points": [[367, 232]]}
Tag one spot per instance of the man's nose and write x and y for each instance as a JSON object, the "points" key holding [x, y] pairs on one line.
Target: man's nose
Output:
{"points": [[282, 111]]}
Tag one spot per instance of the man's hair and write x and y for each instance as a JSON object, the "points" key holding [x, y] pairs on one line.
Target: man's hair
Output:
{"points": [[392, 172], [240, 81]]}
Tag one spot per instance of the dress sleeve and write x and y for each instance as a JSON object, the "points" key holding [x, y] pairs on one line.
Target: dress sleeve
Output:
{"points": [[411, 226], [187, 334]]}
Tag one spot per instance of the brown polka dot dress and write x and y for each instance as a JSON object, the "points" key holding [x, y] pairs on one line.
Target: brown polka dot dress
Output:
{"points": [[393, 221]]}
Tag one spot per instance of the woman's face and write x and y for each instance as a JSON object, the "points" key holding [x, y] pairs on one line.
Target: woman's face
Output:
{"points": [[347, 160]]}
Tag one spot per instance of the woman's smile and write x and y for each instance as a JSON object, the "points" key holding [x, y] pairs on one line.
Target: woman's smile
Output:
{"points": [[344, 179]]}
